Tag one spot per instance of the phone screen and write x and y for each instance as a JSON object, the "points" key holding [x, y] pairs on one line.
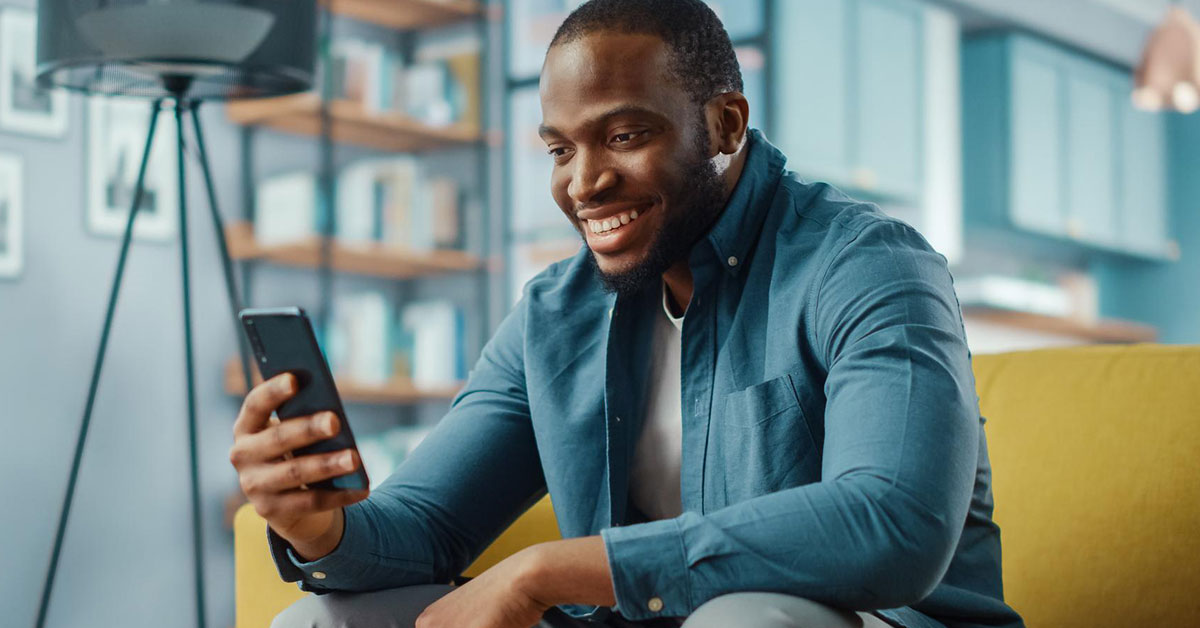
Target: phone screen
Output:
{"points": [[283, 341]]}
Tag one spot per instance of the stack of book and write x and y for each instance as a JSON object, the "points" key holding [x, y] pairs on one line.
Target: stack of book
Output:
{"points": [[439, 87], [387, 200], [371, 342]]}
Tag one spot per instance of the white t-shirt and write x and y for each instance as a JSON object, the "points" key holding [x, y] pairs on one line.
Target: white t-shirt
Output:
{"points": [[654, 476]]}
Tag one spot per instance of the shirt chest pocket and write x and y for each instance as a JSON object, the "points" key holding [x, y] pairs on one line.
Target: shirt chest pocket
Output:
{"points": [[767, 444]]}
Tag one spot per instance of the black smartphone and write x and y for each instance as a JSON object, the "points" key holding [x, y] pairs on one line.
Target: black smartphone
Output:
{"points": [[283, 340]]}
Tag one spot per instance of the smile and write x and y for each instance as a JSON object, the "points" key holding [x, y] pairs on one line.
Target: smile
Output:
{"points": [[612, 223]]}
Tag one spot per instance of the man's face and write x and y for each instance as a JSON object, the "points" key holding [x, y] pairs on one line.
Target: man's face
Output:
{"points": [[630, 149]]}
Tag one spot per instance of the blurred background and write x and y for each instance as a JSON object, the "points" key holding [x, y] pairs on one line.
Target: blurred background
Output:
{"points": [[1004, 130]]}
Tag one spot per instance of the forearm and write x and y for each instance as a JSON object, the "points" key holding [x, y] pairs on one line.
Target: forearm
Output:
{"points": [[570, 571]]}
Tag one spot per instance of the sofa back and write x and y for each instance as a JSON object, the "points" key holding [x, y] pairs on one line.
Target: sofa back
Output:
{"points": [[1095, 454]]}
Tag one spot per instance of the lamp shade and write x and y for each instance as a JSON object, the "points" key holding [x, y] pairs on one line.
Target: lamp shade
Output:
{"points": [[1169, 73], [204, 49]]}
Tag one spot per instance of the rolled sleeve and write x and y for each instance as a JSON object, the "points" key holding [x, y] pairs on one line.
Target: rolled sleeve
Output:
{"points": [[649, 566], [334, 571]]}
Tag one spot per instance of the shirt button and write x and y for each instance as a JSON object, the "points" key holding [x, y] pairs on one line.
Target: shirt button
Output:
{"points": [[732, 260], [655, 604], [319, 575]]}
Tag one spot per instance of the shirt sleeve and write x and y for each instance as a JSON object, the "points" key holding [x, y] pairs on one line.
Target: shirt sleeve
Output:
{"points": [[898, 460], [472, 476]]}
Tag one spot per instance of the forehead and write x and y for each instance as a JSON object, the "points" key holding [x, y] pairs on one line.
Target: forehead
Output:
{"points": [[603, 71]]}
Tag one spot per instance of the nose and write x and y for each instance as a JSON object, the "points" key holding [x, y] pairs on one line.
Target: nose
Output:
{"points": [[591, 176]]}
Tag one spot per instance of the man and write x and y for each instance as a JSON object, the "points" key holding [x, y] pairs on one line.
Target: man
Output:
{"points": [[749, 397]]}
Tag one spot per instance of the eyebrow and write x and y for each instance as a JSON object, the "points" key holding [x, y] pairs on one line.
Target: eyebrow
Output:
{"points": [[622, 110]]}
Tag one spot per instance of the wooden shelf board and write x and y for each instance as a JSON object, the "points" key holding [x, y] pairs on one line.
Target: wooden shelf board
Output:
{"points": [[1110, 331], [407, 14], [367, 258], [397, 391], [300, 114]]}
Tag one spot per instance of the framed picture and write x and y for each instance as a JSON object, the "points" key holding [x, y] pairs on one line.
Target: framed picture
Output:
{"points": [[24, 107], [116, 137], [11, 208]]}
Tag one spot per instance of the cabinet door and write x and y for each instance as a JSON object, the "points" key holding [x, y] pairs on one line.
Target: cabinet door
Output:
{"points": [[888, 124], [1143, 200], [1091, 158], [809, 43], [1036, 127]]}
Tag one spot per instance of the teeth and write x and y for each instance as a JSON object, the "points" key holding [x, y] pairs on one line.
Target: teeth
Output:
{"points": [[608, 224]]}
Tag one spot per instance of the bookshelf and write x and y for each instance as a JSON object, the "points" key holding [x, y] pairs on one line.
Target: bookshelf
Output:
{"points": [[300, 114], [395, 391], [406, 14], [370, 259], [1105, 331]]}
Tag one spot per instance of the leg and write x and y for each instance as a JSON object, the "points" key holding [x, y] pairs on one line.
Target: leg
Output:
{"points": [[138, 189], [226, 264], [389, 608], [189, 364], [776, 610]]}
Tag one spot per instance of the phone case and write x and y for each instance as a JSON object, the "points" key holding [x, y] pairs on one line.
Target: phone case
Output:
{"points": [[283, 340]]}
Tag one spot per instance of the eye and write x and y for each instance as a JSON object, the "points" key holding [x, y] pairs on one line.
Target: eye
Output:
{"points": [[558, 152], [625, 138]]}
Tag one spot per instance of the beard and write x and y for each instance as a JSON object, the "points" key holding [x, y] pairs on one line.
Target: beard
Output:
{"points": [[700, 200]]}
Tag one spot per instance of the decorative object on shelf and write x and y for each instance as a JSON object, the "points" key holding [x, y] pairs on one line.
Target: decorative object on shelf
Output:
{"points": [[24, 106], [12, 202], [116, 132], [1168, 76], [182, 53]]}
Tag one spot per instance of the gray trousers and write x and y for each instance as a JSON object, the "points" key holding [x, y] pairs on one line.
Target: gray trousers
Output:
{"points": [[399, 608]]}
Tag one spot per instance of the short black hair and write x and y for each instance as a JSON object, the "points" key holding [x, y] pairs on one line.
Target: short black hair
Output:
{"points": [[701, 55]]}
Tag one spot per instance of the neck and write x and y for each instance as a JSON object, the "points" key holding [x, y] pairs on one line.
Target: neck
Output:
{"points": [[678, 277]]}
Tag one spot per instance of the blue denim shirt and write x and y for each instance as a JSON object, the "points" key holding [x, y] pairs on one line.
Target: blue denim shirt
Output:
{"points": [[832, 442]]}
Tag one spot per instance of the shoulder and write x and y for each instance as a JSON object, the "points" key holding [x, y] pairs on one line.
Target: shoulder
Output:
{"points": [[843, 225], [566, 286]]}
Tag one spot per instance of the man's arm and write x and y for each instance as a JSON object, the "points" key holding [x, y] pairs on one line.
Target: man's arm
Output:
{"points": [[899, 458], [470, 477]]}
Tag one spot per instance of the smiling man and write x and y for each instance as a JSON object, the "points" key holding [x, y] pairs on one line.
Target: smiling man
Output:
{"points": [[749, 396]]}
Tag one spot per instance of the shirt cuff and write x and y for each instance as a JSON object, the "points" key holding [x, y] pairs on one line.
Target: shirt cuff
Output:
{"points": [[332, 572], [649, 569]]}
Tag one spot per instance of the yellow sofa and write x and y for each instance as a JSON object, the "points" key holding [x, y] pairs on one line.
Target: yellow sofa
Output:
{"points": [[1096, 474]]}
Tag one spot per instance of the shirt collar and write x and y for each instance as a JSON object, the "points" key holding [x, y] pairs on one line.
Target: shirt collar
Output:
{"points": [[737, 228]]}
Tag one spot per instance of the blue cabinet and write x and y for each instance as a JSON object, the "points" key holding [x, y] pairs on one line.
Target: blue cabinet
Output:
{"points": [[1052, 147], [848, 80]]}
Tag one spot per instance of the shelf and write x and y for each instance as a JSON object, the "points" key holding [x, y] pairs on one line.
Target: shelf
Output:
{"points": [[366, 258], [406, 14], [1109, 331], [397, 391], [300, 114]]}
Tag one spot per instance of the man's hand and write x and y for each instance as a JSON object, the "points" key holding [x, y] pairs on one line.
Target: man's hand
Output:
{"points": [[500, 597], [311, 520], [519, 589]]}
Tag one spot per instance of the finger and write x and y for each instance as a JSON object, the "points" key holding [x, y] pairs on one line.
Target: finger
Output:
{"points": [[306, 502], [294, 473], [284, 437], [261, 401]]}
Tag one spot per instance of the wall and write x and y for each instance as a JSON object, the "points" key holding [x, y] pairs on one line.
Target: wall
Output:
{"points": [[1166, 295]]}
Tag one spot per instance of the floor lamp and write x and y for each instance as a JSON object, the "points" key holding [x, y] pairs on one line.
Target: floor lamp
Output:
{"points": [[176, 53]]}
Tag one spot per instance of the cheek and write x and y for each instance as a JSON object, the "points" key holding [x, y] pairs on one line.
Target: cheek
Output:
{"points": [[560, 179]]}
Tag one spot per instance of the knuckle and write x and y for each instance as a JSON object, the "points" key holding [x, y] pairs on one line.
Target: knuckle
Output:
{"points": [[294, 474], [266, 510]]}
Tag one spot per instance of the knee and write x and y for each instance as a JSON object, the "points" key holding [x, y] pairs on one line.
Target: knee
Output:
{"points": [[309, 611], [768, 610]]}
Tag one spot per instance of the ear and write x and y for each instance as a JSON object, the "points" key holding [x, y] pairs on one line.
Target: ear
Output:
{"points": [[728, 116]]}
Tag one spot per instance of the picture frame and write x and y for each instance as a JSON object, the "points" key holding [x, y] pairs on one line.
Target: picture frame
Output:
{"points": [[117, 131], [12, 209], [26, 108]]}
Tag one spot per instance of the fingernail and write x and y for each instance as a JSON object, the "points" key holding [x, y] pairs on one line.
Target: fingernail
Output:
{"points": [[285, 384], [327, 425], [346, 461]]}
